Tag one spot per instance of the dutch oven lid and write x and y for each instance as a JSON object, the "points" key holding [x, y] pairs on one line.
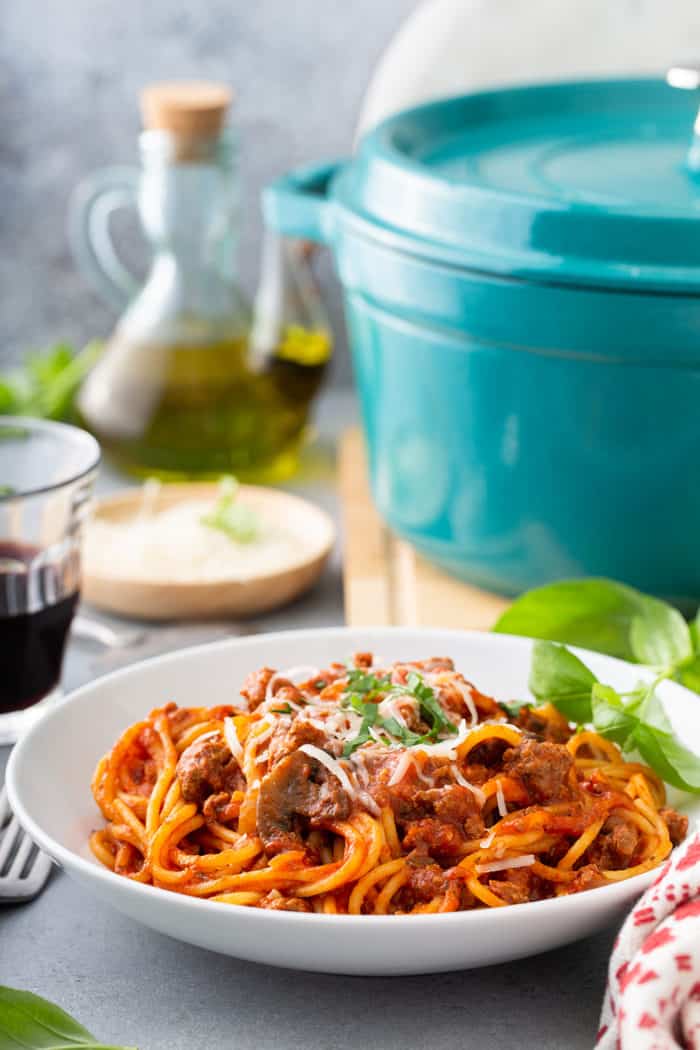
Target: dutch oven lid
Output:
{"points": [[589, 183]]}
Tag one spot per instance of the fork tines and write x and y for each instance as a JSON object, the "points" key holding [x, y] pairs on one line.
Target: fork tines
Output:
{"points": [[23, 868]]}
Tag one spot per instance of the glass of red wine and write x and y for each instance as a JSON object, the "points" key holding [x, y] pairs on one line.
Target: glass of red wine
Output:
{"points": [[47, 472]]}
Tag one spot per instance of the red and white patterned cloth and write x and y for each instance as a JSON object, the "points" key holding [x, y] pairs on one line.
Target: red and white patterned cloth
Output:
{"points": [[652, 1000]]}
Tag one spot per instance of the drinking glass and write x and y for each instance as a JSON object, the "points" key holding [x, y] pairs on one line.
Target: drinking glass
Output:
{"points": [[47, 472]]}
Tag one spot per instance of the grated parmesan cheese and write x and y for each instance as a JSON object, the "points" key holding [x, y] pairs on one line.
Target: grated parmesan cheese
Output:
{"points": [[208, 736], [173, 545], [507, 862], [501, 799], [340, 723], [424, 779], [260, 738], [358, 763], [476, 791], [446, 748], [231, 737], [401, 769], [466, 692], [332, 765], [391, 708], [366, 800]]}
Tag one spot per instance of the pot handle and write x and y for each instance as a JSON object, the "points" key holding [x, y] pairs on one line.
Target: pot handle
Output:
{"points": [[297, 205]]}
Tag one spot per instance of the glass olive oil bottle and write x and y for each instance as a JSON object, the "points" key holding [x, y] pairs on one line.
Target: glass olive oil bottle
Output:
{"points": [[190, 384]]}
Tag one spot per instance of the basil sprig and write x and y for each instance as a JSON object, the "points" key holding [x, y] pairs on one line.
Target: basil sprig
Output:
{"points": [[363, 687], [593, 613], [610, 618], [636, 721], [28, 1022]]}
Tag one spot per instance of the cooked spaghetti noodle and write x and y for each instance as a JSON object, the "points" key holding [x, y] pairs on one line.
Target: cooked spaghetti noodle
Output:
{"points": [[371, 790]]}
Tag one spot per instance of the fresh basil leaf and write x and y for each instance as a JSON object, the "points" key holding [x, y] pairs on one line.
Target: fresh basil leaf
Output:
{"points": [[594, 613], [28, 1022], [659, 635], [286, 710], [643, 725], [607, 617], [635, 722], [610, 717], [673, 762], [649, 710], [689, 675], [557, 676], [685, 763]]}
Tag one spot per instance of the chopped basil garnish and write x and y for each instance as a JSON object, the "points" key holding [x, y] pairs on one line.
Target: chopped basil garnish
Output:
{"points": [[364, 683], [513, 707], [430, 707], [367, 685], [370, 715]]}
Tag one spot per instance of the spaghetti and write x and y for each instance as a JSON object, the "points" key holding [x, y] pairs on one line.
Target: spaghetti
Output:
{"points": [[374, 790]]}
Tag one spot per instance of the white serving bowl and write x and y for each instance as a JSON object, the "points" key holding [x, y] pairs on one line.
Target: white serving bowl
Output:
{"points": [[50, 769]]}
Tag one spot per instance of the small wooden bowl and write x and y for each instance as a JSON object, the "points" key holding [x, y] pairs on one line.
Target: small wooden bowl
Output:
{"points": [[193, 599]]}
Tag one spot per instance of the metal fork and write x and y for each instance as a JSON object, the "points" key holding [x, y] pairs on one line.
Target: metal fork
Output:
{"points": [[23, 868]]}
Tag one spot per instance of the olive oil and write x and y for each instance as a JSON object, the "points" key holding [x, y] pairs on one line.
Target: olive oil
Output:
{"points": [[196, 382], [203, 410]]}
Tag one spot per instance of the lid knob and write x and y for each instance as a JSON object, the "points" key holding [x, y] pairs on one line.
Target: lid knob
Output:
{"points": [[687, 77]]}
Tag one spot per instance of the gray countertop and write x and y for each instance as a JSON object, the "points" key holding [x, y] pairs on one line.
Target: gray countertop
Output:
{"points": [[132, 986]]}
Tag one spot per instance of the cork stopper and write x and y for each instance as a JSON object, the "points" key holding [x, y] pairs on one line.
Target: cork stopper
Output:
{"points": [[192, 111]]}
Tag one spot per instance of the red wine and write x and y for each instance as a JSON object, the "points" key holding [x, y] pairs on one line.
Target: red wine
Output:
{"points": [[35, 616]]}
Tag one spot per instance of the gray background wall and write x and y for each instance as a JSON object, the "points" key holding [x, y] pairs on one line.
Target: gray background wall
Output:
{"points": [[70, 73]]}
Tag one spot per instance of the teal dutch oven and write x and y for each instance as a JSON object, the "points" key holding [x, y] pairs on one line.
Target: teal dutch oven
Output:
{"points": [[521, 275]]}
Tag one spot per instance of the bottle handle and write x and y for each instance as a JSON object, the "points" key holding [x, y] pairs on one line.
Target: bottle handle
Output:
{"points": [[92, 205]]}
